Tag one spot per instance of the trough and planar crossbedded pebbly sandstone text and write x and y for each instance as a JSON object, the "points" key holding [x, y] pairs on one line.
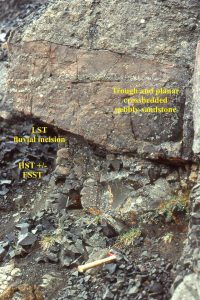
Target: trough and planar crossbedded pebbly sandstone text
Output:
{"points": [[145, 100]]}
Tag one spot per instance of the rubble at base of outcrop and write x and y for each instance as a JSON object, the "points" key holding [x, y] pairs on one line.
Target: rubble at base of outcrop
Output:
{"points": [[91, 177], [74, 235], [144, 269]]}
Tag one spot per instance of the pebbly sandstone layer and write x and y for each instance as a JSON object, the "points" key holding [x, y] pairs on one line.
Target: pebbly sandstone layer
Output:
{"points": [[66, 63]]}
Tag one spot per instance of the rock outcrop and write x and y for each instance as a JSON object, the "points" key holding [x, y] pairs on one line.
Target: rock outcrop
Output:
{"points": [[68, 61], [65, 68], [196, 109], [112, 182], [186, 285]]}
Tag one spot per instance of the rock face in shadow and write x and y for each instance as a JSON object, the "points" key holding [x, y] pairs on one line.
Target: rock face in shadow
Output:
{"points": [[66, 64]]}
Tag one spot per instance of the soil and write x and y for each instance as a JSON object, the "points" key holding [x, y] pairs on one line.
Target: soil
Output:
{"points": [[148, 256]]}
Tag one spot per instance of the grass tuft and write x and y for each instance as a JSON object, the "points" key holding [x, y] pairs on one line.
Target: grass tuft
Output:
{"points": [[167, 238], [47, 241], [169, 208], [127, 238]]}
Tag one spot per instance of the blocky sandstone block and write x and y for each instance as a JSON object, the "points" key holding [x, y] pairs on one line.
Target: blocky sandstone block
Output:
{"points": [[65, 65]]}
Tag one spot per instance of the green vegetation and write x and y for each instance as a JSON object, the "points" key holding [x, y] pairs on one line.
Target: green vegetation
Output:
{"points": [[127, 238], [167, 238], [49, 240], [170, 208]]}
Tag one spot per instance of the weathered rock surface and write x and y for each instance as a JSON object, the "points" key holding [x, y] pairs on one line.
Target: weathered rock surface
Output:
{"points": [[196, 107], [113, 182], [63, 70], [186, 285], [188, 289], [67, 62], [7, 272], [4, 103], [13, 14]]}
